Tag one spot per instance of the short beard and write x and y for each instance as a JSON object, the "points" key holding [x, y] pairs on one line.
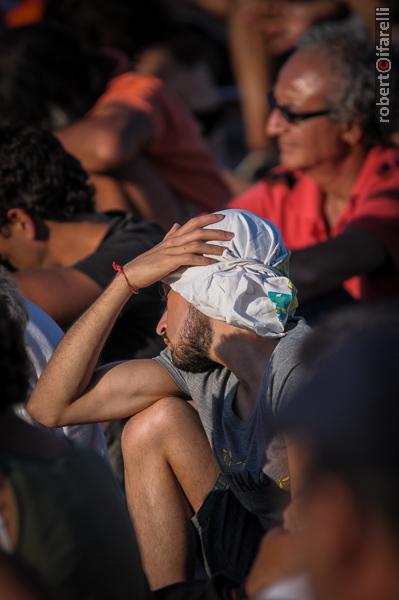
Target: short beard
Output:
{"points": [[191, 352]]}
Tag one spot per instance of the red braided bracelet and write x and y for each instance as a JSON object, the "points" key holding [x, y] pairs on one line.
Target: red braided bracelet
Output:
{"points": [[120, 269]]}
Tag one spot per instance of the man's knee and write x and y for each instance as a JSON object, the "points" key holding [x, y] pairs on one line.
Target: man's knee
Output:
{"points": [[149, 428]]}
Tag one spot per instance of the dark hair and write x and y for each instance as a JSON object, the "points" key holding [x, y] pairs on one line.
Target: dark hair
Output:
{"points": [[123, 24], [14, 362], [39, 176], [351, 68], [11, 297], [347, 414], [48, 77]]}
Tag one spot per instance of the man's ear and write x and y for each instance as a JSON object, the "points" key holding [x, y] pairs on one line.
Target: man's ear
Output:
{"points": [[352, 134], [19, 221]]}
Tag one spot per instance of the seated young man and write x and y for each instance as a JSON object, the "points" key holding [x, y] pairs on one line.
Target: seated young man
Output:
{"points": [[232, 344], [61, 250], [334, 196], [141, 146]]}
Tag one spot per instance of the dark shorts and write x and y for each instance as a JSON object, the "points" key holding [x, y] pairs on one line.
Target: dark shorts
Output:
{"points": [[228, 532]]}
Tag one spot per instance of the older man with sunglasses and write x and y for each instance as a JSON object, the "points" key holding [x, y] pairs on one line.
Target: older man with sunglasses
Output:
{"points": [[335, 194]]}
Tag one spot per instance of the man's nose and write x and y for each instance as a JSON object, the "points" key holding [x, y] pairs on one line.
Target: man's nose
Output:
{"points": [[275, 124], [162, 323]]}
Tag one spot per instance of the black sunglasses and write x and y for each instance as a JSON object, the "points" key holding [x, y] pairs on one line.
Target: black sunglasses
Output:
{"points": [[293, 117]]}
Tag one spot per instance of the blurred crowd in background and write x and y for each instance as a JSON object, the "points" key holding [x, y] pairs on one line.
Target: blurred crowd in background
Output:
{"points": [[121, 120]]}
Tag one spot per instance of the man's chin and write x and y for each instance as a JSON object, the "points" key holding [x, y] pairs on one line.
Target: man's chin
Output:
{"points": [[192, 363], [289, 159]]}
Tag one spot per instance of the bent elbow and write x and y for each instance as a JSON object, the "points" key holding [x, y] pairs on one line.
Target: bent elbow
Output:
{"points": [[107, 152], [41, 416]]}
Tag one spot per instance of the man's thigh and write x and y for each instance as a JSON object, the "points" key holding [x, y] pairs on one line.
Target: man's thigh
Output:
{"points": [[229, 534]]}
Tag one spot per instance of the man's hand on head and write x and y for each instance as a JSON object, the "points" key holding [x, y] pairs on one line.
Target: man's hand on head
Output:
{"points": [[69, 390], [182, 246]]}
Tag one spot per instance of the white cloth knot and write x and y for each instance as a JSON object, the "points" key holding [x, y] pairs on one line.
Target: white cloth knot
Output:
{"points": [[249, 286]]}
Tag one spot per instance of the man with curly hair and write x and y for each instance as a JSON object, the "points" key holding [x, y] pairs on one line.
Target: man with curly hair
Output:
{"points": [[335, 194], [60, 248]]}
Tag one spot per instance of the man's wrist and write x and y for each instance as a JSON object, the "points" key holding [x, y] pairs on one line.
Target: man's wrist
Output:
{"points": [[120, 269], [118, 287]]}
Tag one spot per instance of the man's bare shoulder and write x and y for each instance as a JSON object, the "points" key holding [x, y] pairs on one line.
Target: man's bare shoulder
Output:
{"points": [[72, 291]]}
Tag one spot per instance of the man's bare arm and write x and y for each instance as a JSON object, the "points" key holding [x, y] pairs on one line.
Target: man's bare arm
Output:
{"points": [[324, 267], [108, 138], [252, 65], [63, 293], [67, 392]]}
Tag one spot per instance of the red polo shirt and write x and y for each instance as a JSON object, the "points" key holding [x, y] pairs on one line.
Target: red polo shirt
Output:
{"points": [[294, 203]]}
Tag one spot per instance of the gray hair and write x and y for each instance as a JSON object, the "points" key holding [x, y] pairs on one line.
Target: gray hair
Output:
{"points": [[351, 66], [13, 301]]}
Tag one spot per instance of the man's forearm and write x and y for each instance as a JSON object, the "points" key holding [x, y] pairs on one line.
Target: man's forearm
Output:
{"points": [[71, 367], [325, 266], [309, 277], [107, 139]]}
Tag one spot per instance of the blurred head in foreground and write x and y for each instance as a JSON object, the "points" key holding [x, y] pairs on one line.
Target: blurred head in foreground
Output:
{"points": [[346, 423]]}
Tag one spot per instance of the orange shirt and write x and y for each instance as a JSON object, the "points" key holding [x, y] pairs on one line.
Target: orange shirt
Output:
{"points": [[294, 203], [25, 13], [178, 150]]}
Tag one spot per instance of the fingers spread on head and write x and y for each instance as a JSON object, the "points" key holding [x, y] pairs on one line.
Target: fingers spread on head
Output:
{"points": [[198, 260], [172, 230], [196, 247], [201, 221], [198, 235]]}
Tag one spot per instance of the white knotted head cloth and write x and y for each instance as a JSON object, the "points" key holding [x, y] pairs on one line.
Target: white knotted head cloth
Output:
{"points": [[249, 286]]}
